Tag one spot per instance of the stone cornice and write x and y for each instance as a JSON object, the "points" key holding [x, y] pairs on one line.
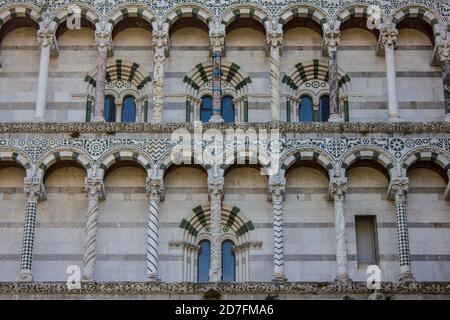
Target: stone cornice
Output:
{"points": [[111, 128], [113, 288]]}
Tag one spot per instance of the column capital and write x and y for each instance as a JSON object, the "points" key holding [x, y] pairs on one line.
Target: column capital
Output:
{"points": [[331, 37], [388, 36], [277, 187], [217, 36], [34, 190], [160, 41], [155, 188], [337, 188], [398, 189], [103, 38], [215, 186], [443, 52], [94, 188], [46, 36]]}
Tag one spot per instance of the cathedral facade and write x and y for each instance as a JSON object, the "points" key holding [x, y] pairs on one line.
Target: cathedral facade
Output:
{"points": [[254, 148]]}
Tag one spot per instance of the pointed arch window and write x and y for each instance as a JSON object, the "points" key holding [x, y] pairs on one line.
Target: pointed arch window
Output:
{"points": [[129, 109], [228, 262], [109, 109], [227, 109], [305, 109], [324, 108], [206, 109], [203, 261]]}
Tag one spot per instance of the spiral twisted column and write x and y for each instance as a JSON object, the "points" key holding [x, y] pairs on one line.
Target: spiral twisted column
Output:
{"points": [[277, 188], [34, 191], [275, 44], [155, 191], [94, 191]]}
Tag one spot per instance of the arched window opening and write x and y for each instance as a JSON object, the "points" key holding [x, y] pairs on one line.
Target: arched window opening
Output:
{"points": [[109, 109], [228, 262], [324, 108], [227, 109], [306, 109], [206, 109], [129, 109], [203, 261]]}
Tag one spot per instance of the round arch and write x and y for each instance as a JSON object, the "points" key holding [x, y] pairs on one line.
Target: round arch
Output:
{"points": [[123, 154], [19, 157], [421, 12], [184, 155], [19, 10], [378, 155], [303, 11], [87, 13], [63, 154], [308, 154], [186, 10], [251, 11], [134, 11], [427, 155]]}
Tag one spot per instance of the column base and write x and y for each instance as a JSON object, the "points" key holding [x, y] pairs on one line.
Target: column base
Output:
{"points": [[406, 277], [394, 118], [25, 276], [279, 278], [447, 117], [98, 119], [153, 278], [335, 118], [217, 118], [343, 279]]}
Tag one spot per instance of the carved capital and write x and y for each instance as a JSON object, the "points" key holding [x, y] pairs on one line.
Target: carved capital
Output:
{"points": [[277, 187], [389, 36], [443, 52], [337, 188], [160, 41], [46, 36], [331, 38], [103, 40], [155, 189], [217, 36], [215, 186], [398, 189], [34, 191], [94, 188]]}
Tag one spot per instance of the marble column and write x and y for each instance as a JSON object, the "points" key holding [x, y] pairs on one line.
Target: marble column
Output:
{"points": [[275, 44], [103, 43], [94, 191], [338, 187], [277, 187], [399, 188], [160, 42], [217, 42], [34, 192], [215, 190], [47, 41], [444, 58], [331, 37], [155, 190], [388, 38]]}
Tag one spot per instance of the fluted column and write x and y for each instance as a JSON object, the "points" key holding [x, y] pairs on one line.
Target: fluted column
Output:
{"points": [[444, 57], [275, 44], [399, 188], [388, 38], [217, 42], [215, 189], [34, 192], [338, 187], [160, 42], [277, 187], [47, 41], [94, 191], [103, 43], [155, 190], [331, 39]]}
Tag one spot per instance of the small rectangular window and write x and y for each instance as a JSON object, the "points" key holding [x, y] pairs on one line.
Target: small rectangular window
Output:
{"points": [[366, 240]]}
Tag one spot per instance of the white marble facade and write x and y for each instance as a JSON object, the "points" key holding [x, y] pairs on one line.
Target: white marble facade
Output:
{"points": [[110, 199]]}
